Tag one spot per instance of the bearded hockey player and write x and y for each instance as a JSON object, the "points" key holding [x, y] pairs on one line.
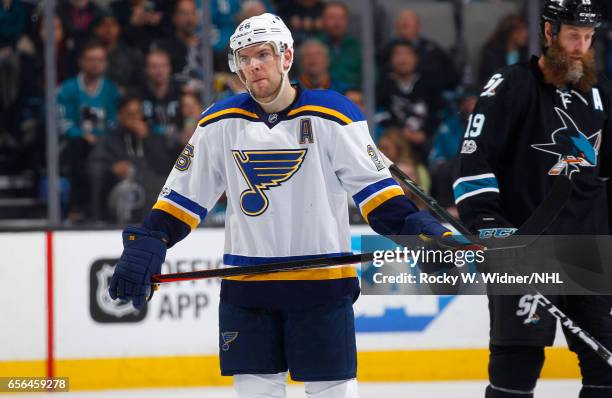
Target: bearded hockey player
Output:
{"points": [[533, 123], [286, 159]]}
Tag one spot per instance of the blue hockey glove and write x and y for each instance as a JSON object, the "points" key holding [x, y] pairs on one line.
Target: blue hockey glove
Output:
{"points": [[423, 223], [143, 254]]}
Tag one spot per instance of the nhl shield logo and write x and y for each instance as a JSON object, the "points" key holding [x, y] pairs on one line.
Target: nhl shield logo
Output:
{"points": [[102, 308]]}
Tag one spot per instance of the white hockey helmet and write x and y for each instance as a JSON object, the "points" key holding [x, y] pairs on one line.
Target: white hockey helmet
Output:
{"points": [[264, 28]]}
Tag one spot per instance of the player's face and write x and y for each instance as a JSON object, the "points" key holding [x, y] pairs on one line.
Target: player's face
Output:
{"points": [[575, 41], [261, 69]]}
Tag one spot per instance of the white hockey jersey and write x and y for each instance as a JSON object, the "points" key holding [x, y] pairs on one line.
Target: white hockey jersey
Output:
{"points": [[286, 177]]}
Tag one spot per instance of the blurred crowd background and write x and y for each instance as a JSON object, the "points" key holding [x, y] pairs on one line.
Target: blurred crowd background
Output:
{"points": [[130, 81]]}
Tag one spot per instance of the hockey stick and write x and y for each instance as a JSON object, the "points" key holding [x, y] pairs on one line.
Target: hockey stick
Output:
{"points": [[547, 211], [542, 217], [263, 268], [535, 225]]}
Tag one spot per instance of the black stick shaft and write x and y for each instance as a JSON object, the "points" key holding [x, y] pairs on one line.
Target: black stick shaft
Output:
{"points": [[429, 201], [263, 268]]}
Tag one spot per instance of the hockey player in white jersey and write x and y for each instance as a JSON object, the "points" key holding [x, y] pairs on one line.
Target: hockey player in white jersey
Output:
{"points": [[286, 159]]}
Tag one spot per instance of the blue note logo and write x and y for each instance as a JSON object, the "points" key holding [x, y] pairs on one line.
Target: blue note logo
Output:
{"points": [[227, 338], [263, 170]]}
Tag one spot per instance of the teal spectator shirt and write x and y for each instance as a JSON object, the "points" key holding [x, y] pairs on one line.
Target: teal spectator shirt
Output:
{"points": [[74, 102]]}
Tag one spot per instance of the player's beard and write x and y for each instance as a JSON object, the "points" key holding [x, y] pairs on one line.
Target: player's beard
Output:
{"points": [[560, 70]]}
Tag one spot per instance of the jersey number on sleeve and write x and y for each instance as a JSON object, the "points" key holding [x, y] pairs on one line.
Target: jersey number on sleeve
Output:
{"points": [[184, 160], [475, 125]]}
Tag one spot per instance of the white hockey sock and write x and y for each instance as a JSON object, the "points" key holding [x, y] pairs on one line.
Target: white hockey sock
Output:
{"points": [[261, 386], [332, 389]]}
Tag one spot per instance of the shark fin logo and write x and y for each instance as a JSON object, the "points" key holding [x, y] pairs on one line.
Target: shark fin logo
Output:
{"points": [[263, 170], [571, 146]]}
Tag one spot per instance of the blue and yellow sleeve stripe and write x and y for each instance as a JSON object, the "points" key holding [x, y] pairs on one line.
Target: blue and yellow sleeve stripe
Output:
{"points": [[374, 195], [181, 208], [469, 186]]}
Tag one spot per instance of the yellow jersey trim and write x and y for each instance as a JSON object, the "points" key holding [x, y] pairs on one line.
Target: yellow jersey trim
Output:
{"points": [[301, 275], [379, 199], [177, 213], [225, 112], [321, 109]]}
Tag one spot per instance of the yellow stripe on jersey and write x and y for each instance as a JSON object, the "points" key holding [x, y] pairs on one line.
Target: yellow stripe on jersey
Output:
{"points": [[177, 213], [225, 112], [321, 109], [301, 275], [379, 199]]}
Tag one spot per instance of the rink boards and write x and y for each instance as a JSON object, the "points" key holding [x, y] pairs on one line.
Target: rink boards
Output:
{"points": [[57, 319]]}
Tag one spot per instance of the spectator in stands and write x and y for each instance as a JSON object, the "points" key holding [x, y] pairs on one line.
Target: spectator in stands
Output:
{"points": [[125, 63], [345, 51], [27, 119], [409, 102], [313, 58], [184, 46], [303, 17], [14, 83], [223, 15], [394, 146], [507, 46], [161, 96], [443, 155], [66, 57], [12, 22], [449, 133], [131, 164], [191, 109], [227, 84], [435, 66], [77, 17], [251, 8], [141, 21], [416, 170], [88, 108]]}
